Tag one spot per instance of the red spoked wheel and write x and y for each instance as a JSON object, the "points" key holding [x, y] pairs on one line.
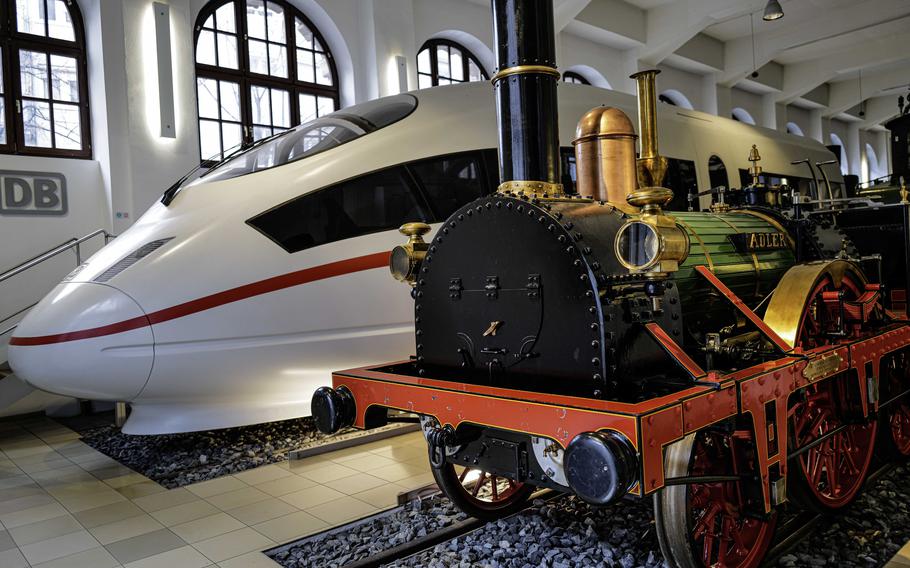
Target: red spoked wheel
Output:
{"points": [[482, 494], [830, 474], [712, 524], [896, 418]]}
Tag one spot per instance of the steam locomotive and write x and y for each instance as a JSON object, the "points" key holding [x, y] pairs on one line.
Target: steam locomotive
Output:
{"points": [[723, 362]]}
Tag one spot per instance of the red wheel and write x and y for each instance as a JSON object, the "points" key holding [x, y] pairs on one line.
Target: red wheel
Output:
{"points": [[896, 418], [829, 475], [481, 494], [712, 524]]}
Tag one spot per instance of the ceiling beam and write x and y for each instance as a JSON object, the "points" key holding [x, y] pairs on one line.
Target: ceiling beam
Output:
{"points": [[670, 26], [564, 11], [844, 94]]}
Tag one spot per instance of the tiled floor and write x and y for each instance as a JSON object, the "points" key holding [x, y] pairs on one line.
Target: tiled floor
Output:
{"points": [[65, 505]]}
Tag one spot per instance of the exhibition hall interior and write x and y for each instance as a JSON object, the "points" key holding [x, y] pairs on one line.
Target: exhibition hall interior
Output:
{"points": [[454, 283]]}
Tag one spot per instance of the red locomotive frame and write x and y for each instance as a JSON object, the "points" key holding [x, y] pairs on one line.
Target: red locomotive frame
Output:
{"points": [[652, 425]]}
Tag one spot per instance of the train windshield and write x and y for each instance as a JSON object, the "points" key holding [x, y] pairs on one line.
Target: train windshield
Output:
{"points": [[316, 136]]}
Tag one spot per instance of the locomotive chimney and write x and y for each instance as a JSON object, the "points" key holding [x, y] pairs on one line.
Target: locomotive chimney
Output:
{"points": [[525, 87], [652, 167]]}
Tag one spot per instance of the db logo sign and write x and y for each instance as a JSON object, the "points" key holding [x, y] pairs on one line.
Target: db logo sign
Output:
{"points": [[32, 193]]}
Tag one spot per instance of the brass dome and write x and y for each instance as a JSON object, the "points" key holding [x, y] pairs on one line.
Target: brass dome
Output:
{"points": [[604, 122]]}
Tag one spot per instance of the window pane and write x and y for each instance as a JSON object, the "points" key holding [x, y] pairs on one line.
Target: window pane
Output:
{"points": [[424, 81], [206, 90], [259, 98], [323, 70], [278, 60], [260, 132], [450, 182], [227, 51], [230, 101], [276, 23], [442, 60], [59, 24], [423, 62], [303, 34], [226, 19], [307, 107], [36, 121], [33, 74], [64, 78], [258, 58], [2, 121], [474, 72], [209, 140], [205, 48], [457, 66], [30, 16], [326, 106], [376, 202], [209, 23], [443, 81], [232, 134], [306, 70], [281, 108], [255, 18], [67, 127]]}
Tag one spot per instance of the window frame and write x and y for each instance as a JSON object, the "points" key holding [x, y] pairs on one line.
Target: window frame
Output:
{"points": [[578, 78], [245, 78], [466, 56], [11, 42]]}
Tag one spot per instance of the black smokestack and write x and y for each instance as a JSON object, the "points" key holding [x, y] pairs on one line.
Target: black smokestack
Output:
{"points": [[525, 86]]}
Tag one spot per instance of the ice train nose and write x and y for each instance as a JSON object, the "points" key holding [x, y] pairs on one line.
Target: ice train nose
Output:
{"points": [[85, 340]]}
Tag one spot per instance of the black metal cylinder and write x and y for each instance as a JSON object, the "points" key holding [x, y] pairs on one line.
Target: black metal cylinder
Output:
{"points": [[526, 96]]}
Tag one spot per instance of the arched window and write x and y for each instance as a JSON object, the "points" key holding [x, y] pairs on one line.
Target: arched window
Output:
{"points": [[742, 115], [43, 89], [675, 98], [443, 62], [793, 128], [576, 78], [840, 151], [717, 173], [261, 67]]}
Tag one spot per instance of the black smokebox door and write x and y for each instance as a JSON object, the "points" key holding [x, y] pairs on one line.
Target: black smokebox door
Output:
{"points": [[500, 322]]}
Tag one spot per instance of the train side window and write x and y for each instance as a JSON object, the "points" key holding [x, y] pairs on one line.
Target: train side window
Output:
{"points": [[681, 179], [376, 202], [567, 170], [450, 181], [717, 173]]}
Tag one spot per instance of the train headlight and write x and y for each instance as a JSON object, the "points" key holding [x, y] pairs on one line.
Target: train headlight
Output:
{"points": [[404, 262], [651, 244]]}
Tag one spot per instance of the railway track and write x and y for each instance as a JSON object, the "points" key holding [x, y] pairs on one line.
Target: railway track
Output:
{"points": [[802, 525]]}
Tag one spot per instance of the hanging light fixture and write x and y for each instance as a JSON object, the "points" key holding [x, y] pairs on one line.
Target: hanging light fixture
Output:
{"points": [[773, 11], [752, 27]]}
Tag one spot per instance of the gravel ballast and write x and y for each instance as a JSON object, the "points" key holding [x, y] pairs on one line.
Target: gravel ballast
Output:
{"points": [[175, 460], [329, 550], [566, 532]]}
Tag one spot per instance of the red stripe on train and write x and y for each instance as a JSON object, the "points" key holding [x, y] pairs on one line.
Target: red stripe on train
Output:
{"points": [[305, 276]]}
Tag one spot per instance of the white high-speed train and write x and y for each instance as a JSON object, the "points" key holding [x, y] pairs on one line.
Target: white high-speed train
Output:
{"points": [[231, 300]]}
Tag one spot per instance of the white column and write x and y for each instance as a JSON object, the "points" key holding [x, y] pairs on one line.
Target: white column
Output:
{"points": [[816, 127]]}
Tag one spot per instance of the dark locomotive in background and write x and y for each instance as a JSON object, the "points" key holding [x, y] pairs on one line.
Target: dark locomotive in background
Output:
{"points": [[725, 362]]}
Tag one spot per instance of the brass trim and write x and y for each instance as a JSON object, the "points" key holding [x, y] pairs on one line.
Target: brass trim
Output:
{"points": [[532, 188], [823, 366], [768, 219], [524, 70], [788, 303], [704, 248]]}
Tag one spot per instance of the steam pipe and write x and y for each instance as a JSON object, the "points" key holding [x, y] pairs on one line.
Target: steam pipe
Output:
{"points": [[525, 88]]}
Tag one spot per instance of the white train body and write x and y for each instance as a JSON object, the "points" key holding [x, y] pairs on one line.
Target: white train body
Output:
{"points": [[220, 326]]}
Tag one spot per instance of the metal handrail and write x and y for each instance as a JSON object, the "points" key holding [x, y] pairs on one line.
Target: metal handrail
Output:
{"points": [[59, 249], [74, 243]]}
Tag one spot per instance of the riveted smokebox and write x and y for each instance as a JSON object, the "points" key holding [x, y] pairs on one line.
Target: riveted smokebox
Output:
{"points": [[525, 87]]}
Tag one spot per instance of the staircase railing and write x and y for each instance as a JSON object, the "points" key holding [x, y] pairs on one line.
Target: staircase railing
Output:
{"points": [[70, 244]]}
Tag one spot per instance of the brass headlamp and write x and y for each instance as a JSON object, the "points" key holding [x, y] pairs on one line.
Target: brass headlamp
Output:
{"points": [[404, 262]]}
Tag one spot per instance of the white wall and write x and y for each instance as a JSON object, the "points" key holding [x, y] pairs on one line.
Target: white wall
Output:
{"points": [[749, 102]]}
